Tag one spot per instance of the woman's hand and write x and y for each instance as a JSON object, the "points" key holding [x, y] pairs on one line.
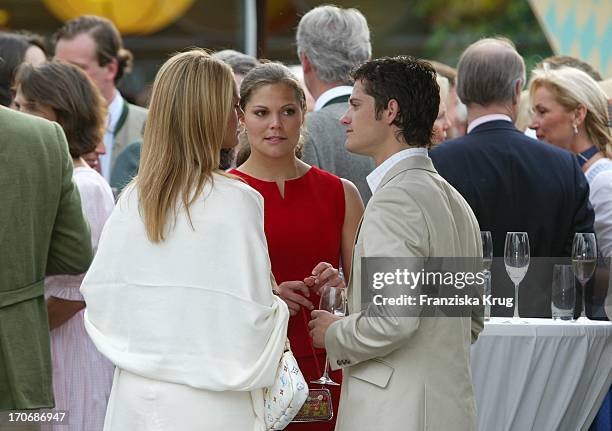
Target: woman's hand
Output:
{"points": [[295, 294], [323, 275]]}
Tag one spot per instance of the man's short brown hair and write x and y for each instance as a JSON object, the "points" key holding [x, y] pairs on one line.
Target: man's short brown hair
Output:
{"points": [[109, 44]]}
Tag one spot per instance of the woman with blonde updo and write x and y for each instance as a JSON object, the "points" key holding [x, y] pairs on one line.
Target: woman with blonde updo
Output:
{"points": [[571, 112]]}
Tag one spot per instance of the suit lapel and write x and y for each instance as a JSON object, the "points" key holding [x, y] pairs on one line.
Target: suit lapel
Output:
{"points": [[124, 113], [338, 99], [120, 133]]}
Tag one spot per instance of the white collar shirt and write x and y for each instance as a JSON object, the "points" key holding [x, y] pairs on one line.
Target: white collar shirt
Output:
{"points": [[114, 113], [487, 118], [376, 176], [332, 93]]}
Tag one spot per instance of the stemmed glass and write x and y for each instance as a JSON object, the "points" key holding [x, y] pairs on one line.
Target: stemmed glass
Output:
{"points": [[487, 260], [332, 300], [516, 259], [584, 260]]}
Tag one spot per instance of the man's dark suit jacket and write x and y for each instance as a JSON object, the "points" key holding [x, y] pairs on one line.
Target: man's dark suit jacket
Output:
{"points": [[515, 183]]}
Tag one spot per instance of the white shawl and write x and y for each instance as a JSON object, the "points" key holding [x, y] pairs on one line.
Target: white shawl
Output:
{"points": [[196, 309]]}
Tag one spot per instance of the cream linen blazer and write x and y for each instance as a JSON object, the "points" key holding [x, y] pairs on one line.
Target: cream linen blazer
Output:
{"points": [[131, 130], [408, 374]]}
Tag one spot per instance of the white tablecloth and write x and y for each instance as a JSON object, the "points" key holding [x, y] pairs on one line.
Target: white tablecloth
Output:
{"points": [[541, 376]]}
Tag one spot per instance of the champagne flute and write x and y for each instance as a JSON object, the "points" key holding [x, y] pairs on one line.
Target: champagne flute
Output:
{"points": [[516, 259], [332, 300], [584, 260], [487, 260]]}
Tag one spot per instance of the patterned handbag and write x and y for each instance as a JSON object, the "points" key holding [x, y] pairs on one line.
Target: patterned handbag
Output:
{"points": [[284, 399]]}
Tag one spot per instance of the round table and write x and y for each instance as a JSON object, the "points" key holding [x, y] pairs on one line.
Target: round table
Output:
{"points": [[540, 376]]}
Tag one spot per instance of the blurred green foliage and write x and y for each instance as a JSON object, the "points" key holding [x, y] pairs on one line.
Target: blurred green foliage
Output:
{"points": [[454, 24]]}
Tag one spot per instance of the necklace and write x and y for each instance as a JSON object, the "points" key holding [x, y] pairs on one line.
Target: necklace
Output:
{"points": [[586, 155]]}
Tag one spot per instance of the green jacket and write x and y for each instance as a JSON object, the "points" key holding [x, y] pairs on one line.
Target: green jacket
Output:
{"points": [[42, 232]]}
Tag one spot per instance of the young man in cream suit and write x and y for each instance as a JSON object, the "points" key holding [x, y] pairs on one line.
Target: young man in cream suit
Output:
{"points": [[402, 373]]}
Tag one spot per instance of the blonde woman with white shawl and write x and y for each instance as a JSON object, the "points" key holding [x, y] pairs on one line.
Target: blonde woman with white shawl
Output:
{"points": [[179, 302]]}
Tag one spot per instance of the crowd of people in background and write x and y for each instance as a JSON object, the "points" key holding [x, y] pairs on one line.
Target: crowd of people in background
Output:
{"points": [[61, 92], [237, 182]]}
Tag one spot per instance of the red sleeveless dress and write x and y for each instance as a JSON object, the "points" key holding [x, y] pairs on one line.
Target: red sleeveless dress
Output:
{"points": [[303, 229]]}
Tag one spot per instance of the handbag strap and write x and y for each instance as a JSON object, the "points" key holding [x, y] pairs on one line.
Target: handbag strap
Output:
{"points": [[314, 353]]}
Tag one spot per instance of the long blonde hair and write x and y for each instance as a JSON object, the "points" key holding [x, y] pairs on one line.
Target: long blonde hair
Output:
{"points": [[191, 101]]}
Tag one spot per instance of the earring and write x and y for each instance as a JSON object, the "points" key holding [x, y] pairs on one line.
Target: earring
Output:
{"points": [[575, 129]]}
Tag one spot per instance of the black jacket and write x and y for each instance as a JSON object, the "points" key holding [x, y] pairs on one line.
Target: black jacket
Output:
{"points": [[515, 183]]}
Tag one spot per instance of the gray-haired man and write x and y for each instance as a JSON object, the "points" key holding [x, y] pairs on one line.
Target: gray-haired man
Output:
{"points": [[512, 182], [330, 42]]}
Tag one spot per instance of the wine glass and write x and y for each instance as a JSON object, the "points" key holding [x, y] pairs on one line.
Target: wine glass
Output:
{"points": [[487, 260], [584, 260], [516, 259], [332, 300]]}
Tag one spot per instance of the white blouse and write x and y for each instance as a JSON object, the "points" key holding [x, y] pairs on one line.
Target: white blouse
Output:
{"points": [[196, 309], [599, 176], [98, 202]]}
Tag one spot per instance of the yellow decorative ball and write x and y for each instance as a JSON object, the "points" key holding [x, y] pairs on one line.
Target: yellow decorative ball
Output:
{"points": [[130, 17]]}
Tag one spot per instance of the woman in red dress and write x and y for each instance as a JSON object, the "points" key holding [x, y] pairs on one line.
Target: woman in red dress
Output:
{"points": [[310, 216]]}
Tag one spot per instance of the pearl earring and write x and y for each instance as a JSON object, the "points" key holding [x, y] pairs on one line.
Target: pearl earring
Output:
{"points": [[575, 129]]}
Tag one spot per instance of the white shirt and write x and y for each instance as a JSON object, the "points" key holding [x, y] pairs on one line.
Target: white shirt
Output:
{"points": [[487, 118], [332, 93], [531, 133], [70, 344], [114, 113], [98, 202], [599, 176], [377, 175]]}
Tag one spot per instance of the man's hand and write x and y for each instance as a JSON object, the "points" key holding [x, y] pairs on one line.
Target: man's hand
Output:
{"points": [[324, 274], [62, 310], [294, 293], [318, 326]]}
